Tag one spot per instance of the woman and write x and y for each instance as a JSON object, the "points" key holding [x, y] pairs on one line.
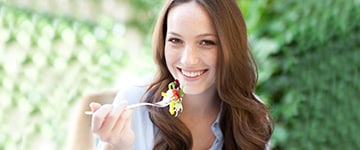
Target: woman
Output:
{"points": [[203, 44]]}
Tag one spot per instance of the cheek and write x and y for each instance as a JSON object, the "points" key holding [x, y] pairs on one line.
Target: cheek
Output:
{"points": [[170, 54], [169, 58], [213, 59], [167, 55]]}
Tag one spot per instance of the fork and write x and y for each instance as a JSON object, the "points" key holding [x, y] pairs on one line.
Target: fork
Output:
{"points": [[158, 104]]}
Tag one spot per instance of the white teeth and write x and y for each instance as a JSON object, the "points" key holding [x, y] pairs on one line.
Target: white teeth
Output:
{"points": [[192, 74]]}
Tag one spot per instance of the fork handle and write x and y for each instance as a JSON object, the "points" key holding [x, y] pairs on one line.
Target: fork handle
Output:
{"points": [[127, 107], [140, 104]]}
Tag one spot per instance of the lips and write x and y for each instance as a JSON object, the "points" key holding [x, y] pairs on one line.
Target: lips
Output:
{"points": [[192, 74]]}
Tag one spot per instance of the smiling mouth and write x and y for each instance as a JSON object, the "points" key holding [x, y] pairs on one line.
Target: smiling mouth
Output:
{"points": [[192, 74]]}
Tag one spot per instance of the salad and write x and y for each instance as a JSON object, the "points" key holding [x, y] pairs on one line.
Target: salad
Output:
{"points": [[173, 97]]}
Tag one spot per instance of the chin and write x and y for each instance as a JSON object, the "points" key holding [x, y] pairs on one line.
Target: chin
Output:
{"points": [[192, 91]]}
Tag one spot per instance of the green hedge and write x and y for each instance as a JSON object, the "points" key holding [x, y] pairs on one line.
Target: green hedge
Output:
{"points": [[311, 70], [46, 64]]}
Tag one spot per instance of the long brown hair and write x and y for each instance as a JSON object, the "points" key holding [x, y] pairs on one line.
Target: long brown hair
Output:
{"points": [[245, 121]]}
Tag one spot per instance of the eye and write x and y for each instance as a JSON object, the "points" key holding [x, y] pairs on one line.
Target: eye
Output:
{"points": [[207, 42], [174, 40]]}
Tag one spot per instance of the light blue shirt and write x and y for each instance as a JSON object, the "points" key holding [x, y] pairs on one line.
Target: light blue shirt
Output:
{"points": [[143, 127]]}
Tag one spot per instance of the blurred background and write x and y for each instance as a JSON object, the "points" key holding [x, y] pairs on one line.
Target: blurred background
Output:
{"points": [[52, 53]]}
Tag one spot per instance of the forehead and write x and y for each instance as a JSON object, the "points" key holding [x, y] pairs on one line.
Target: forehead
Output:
{"points": [[189, 15]]}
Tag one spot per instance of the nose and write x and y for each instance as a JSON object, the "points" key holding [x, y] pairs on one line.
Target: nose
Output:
{"points": [[190, 55]]}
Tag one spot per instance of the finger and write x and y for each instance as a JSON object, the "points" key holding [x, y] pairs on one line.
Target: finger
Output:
{"points": [[94, 106], [113, 116], [124, 121], [100, 116]]}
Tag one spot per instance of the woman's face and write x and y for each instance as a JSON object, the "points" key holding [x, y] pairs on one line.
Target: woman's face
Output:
{"points": [[191, 47]]}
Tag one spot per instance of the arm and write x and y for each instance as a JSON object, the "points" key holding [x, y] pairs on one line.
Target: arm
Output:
{"points": [[111, 123], [132, 94]]}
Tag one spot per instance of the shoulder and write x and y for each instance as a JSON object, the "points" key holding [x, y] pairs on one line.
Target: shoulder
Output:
{"points": [[131, 93]]}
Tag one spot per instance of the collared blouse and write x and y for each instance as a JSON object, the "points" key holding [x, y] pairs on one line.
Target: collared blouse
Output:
{"points": [[143, 127]]}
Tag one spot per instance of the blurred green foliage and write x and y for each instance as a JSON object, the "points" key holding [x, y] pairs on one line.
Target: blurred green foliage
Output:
{"points": [[46, 63], [307, 51]]}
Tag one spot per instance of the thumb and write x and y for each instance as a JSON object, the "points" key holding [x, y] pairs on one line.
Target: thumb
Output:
{"points": [[94, 106]]}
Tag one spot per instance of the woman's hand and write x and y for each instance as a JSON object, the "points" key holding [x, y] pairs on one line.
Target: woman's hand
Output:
{"points": [[111, 123]]}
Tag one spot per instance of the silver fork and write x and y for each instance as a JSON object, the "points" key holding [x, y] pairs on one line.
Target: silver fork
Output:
{"points": [[158, 104]]}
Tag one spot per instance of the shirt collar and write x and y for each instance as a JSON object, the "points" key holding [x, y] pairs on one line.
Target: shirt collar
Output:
{"points": [[215, 128]]}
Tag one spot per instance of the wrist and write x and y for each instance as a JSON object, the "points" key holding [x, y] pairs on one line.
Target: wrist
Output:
{"points": [[109, 146]]}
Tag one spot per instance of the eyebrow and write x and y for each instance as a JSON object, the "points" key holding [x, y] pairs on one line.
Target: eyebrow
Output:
{"points": [[173, 33], [201, 35]]}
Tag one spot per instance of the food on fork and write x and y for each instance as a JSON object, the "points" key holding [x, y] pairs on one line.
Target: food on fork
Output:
{"points": [[173, 97]]}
